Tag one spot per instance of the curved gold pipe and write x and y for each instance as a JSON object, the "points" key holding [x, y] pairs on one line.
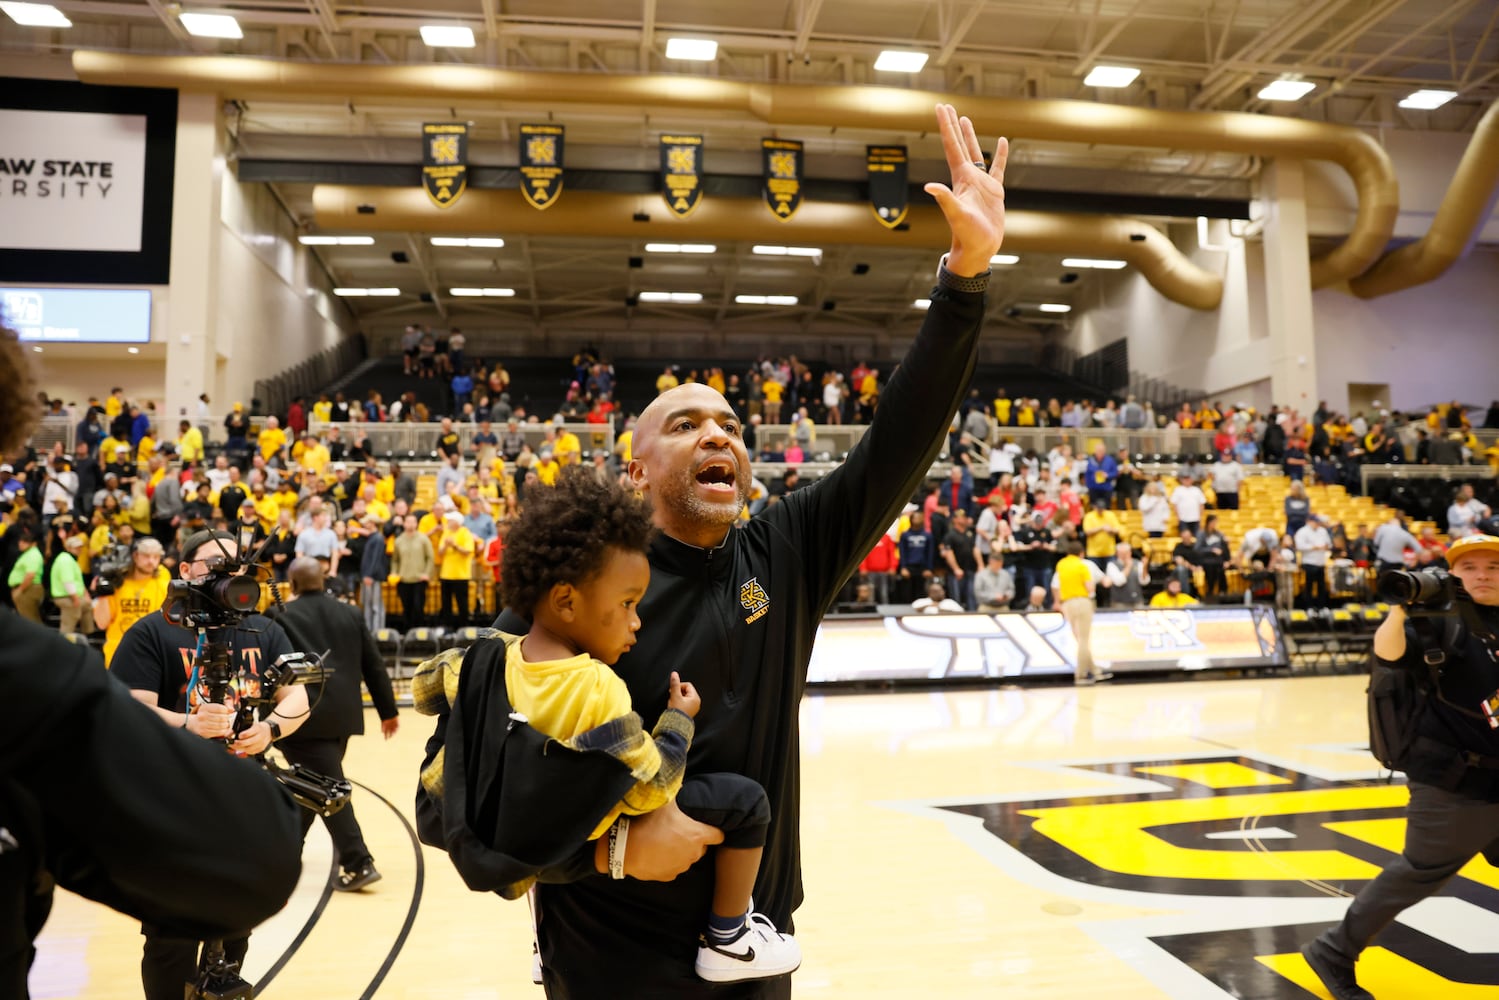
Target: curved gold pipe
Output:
{"points": [[595, 213], [874, 108], [1464, 210]]}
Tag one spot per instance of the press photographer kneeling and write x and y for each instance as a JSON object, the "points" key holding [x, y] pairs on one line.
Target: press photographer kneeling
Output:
{"points": [[1434, 714]]}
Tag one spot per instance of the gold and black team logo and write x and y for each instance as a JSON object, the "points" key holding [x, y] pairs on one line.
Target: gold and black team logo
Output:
{"points": [[541, 164], [752, 598], [887, 183], [783, 176], [1240, 862], [444, 161], [682, 173]]}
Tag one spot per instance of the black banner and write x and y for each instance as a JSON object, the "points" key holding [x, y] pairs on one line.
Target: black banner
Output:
{"points": [[887, 183], [783, 176], [682, 173], [444, 161], [541, 164]]}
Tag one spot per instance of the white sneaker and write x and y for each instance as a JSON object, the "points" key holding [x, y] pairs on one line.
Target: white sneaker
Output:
{"points": [[536, 965], [759, 952]]}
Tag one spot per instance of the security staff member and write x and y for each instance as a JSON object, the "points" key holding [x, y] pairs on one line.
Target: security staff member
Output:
{"points": [[316, 622], [1453, 773], [736, 612], [83, 803]]}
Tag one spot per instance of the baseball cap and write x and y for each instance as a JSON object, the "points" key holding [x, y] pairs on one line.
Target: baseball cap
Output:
{"points": [[454, 517], [1472, 543]]}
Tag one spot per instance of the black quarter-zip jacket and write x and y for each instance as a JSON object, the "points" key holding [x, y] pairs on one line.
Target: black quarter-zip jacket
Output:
{"points": [[739, 621]]}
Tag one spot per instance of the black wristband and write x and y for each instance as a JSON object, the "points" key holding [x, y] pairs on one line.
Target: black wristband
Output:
{"points": [[958, 283]]}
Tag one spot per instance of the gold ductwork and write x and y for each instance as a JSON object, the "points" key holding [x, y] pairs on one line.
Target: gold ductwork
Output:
{"points": [[595, 213], [1464, 210], [880, 109]]}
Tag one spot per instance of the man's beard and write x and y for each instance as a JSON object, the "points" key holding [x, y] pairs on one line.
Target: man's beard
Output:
{"points": [[680, 494]]}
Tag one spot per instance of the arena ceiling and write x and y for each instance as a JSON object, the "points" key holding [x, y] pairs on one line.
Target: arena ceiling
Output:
{"points": [[1364, 57]]}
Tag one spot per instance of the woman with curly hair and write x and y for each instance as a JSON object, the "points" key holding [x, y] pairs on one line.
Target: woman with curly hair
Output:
{"points": [[576, 561]]}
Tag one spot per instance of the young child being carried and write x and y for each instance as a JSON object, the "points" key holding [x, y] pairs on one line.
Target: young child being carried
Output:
{"points": [[575, 560]]}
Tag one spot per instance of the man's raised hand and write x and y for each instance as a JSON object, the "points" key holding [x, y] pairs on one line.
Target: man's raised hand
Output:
{"points": [[975, 203]]}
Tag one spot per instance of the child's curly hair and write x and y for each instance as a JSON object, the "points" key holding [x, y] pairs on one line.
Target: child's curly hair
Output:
{"points": [[564, 534]]}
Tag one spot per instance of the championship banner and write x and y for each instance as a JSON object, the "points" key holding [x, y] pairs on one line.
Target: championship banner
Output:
{"points": [[682, 173], [783, 176], [541, 164], [444, 161], [887, 183]]}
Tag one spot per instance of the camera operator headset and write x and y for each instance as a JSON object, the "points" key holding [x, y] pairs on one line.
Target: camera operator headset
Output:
{"points": [[157, 661], [1434, 714], [82, 800], [121, 600]]}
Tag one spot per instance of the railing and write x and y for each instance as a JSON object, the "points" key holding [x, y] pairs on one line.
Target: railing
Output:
{"points": [[837, 439], [1453, 473], [420, 440], [311, 376]]}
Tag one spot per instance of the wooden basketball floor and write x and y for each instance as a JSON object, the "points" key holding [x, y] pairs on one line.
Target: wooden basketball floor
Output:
{"points": [[1125, 841]]}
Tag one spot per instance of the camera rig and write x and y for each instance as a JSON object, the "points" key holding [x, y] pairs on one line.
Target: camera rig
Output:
{"points": [[214, 606]]}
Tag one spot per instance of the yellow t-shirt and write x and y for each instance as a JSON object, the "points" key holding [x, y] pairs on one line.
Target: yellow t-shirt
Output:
{"points": [[569, 449], [190, 446], [378, 509], [666, 381], [268, 509], [1165, 600], [715, 381], [547, 471], [429, 523], [144, 450], [385, 489], [322, 411], [132, 600], [1026, 417], [771, 390], [272, 440], [112, 407], [286, 498], [107, 449], [458, 560], [563, 698], [315, 460], [1102, 544], [1072, 578], [1002, 410], [623, 444]]}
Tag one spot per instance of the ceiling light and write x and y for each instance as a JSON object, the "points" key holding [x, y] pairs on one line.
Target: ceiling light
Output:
{"points": [[1004, 258], [766, 300], [488, 242], [921, 304], [1286, 90], [211, 25], [681, 297], [1111, 76], [1104, 265], [37, 350], [776, 251], [448, 36], [474, 293], [695, 49], [1421, 100], [681, 248], [359, 293], [36, 15], [336, 241], [132, 350], [1054, 307], [900, 61]]}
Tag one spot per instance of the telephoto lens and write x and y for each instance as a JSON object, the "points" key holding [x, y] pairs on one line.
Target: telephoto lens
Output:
{"points": [[1401, 586]]}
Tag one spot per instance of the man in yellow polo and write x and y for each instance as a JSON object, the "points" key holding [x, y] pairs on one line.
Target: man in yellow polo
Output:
{"points": [[1075, 589]]}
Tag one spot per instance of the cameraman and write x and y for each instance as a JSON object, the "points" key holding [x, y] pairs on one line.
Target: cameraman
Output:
{"points": [[1452, 767], [316, 621], [82, 803], [155, 660], [120, 604]]}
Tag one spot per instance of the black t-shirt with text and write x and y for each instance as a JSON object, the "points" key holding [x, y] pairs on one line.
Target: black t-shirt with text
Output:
{"points": [[448, 443], [961, 545], [156, 655]]}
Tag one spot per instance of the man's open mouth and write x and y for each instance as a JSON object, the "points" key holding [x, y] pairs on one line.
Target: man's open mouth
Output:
{"points": [[718, 473]]}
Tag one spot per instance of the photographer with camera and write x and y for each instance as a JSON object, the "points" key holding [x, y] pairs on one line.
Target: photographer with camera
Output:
{"points": [[315, 620], [129, 585], [159, 661], [1434, 701]]}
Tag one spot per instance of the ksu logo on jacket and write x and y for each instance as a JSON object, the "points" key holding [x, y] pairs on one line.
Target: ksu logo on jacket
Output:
{"points": [[1238, 860], [752, 598]]}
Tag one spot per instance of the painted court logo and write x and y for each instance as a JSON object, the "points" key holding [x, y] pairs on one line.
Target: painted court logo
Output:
{"points": [[1240, 861], [752, 598]]}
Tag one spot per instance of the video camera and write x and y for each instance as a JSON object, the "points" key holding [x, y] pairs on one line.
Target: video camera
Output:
{"points": [[110, 568]]}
